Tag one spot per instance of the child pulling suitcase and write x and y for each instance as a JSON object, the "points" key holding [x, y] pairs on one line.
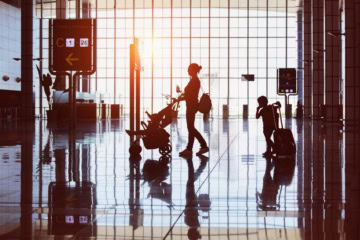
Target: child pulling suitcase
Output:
{"points": [[284, 143]]}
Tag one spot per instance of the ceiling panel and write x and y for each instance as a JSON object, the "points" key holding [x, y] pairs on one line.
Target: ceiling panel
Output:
{"points": [[276, 5]]}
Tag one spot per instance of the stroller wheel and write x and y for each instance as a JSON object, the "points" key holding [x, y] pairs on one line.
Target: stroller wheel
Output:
{"points": [[135, 149], [165, 159], [164, 150]]}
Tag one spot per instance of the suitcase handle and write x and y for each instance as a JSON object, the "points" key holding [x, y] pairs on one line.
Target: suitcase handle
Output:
{"points": [[143, 124], [275, 122]]}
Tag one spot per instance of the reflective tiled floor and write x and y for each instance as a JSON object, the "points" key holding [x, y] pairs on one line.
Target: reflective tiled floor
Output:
{"points": [[95, 190]]}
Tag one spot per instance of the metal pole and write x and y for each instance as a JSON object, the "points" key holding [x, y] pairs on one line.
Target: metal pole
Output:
{"points": [[96, 75], [76, 79], [77, 9], [247, 55], [132, 63], [267, 48], [190, 29], [71, 119], [152, 57], [115, 52], [41, 111], [41, 56], [171, 52], [137, 88], [209, 46], [228, 87], [286, 52]]}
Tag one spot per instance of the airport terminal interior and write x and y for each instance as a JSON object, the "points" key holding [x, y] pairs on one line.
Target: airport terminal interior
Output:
{"points": [[100, 101]]}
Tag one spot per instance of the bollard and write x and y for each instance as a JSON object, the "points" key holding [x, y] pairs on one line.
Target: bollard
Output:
{"points": [[225, 111]]}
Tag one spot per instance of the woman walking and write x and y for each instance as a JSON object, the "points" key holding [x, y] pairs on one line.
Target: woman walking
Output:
{"points": [[191, 94]]}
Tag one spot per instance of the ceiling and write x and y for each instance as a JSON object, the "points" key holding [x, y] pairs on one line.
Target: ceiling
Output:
{"points": [[273, 5]]}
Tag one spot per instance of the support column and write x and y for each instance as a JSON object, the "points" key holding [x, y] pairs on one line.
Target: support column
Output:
{"points": [[61, 9], [352, 61], [27, 143], [308, 176], [332, 60], [60, 14], [318, 56], [28, 107], [318, 191], [352, 183], [27, 92], [85, 80], [307, 60], [357, 61], [352, 116], [333, 182], [300, 72]]}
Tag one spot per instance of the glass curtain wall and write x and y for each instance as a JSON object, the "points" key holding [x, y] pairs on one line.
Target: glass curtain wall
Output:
{"points": [[227, 38]]}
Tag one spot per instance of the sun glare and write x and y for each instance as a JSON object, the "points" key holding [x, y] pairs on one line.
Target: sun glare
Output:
{"points": [[149, 47]]}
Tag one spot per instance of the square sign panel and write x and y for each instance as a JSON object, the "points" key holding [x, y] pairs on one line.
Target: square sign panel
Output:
{"points": [[72, 44], [287, 81]]}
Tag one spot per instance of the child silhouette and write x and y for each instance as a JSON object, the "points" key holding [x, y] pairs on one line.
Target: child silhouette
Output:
{"points": [[270, 119]]}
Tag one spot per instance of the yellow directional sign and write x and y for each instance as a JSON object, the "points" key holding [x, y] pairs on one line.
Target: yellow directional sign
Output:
{"points": [[69, 59]]}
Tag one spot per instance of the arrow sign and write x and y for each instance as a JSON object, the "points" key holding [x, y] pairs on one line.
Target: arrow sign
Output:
{"points": [[73, 45], [69, 59]]}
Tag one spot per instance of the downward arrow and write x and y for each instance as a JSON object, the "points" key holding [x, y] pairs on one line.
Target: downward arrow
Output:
{"points": [[69, 59]]}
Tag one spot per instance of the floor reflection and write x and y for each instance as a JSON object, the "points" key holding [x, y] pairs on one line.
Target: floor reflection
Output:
{"points": [[86, 185], [72, 208]]}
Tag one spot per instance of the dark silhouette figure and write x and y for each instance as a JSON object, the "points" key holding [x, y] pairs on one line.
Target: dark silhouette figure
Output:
{"points": [[191, 95], [266, 200], [299, 110], [283, 172], [191, 209], [155, 173], [46, 82], [195, 203], [270, 119]]}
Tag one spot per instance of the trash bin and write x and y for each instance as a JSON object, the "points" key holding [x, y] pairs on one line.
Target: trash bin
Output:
{"points": [[115, 111], [245, 111], [225, 111]]}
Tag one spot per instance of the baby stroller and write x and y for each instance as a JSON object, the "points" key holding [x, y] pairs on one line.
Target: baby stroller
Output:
{"points": [[153, 134]]}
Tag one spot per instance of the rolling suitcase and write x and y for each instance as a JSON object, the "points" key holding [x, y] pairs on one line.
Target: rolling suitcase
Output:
{"points": [[284, 143]]}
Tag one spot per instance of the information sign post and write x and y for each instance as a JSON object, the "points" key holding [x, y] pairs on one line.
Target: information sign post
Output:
{"points": [[72, 47], [286, 85]]}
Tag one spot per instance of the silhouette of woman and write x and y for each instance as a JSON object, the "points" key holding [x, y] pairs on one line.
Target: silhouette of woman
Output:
{"points": [[191, 212], [191, 94]]}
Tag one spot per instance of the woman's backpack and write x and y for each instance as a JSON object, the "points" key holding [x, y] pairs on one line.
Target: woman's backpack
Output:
{"points": [[205, 104]]}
